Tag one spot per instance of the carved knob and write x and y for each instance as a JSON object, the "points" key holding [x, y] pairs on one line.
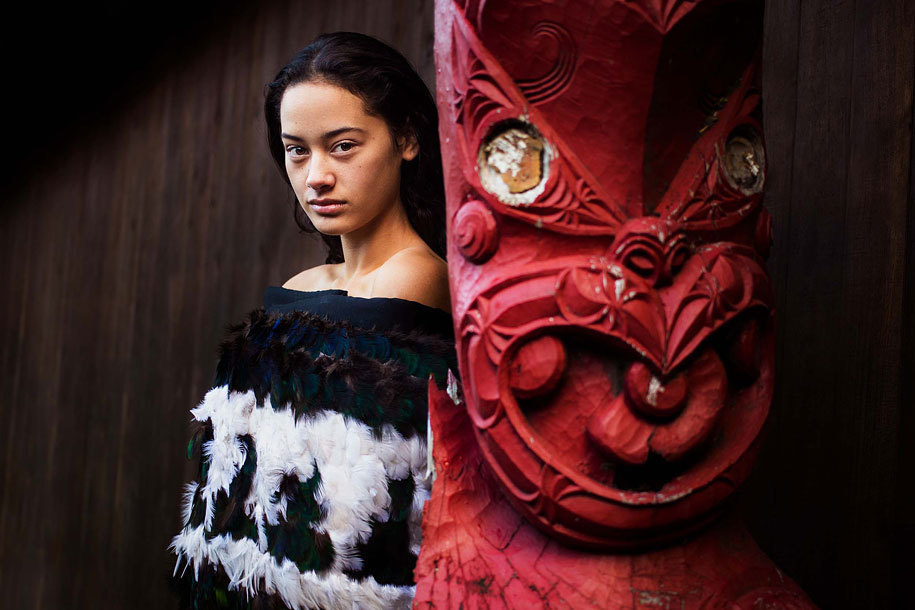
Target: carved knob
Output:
{"points": [[763, 235], [743, 354], [476, 232], [537, 367]]}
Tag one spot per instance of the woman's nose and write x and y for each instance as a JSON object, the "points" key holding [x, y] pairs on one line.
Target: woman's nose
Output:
{"points": [[319, 176]]}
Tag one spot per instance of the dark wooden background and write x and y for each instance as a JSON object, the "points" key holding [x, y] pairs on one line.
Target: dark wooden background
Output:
{"points": [[141, 212]]}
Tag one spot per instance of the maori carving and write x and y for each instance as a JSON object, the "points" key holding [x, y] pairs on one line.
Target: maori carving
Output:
{"points": [[664, 13], [476, 231], [613, 313], [496, 126], [553, 83]]}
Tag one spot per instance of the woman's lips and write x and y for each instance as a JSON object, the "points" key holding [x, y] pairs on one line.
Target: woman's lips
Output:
{"points": [[327, 207]]}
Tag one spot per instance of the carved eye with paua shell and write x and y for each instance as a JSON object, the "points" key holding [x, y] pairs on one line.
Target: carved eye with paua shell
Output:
{"points": [[513, 163], [744, 160]]}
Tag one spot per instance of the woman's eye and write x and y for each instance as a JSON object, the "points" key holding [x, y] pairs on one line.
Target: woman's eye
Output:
{"points": [[295, 151], [344, 146]]}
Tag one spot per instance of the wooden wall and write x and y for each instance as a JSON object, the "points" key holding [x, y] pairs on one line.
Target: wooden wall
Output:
{"points": [[131, 244], [832, 499], [124, 254]]}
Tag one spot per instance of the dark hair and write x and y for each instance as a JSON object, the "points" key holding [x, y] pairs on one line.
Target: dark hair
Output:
{"points": [[391, 89]]}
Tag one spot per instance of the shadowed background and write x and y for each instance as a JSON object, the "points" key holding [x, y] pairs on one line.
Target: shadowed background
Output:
{"points": [[141, 212]]}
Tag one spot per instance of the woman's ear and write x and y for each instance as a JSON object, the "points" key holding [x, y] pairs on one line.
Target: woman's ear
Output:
{"points": [[409, 147]]}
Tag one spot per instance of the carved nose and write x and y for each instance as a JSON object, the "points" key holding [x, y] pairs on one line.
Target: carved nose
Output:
{"points": [[651, 248], [651, 395], [645, 258]]}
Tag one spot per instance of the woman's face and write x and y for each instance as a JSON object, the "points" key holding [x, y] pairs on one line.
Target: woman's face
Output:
{"points": [[342, 162]]}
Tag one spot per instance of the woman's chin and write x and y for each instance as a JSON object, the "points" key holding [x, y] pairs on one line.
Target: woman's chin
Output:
{"points": [[331, 225]]}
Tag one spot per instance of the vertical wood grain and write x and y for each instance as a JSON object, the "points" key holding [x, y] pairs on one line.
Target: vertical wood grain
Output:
{"points": [[126, 251], [904, 504], [813, 246], [822, 501]]}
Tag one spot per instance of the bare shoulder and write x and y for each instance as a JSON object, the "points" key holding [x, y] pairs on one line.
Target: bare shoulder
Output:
{"points": [[315, 278], [415, 274]]}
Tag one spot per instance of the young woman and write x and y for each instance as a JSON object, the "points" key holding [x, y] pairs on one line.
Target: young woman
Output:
{"points": [[353, 128], [313, 459]]}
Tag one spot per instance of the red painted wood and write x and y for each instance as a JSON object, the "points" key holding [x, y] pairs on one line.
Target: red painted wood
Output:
{"points": [[604, 169], [479, 552]]}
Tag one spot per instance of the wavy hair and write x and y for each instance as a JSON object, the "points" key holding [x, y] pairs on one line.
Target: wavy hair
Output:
{"points": [[390, 88]]}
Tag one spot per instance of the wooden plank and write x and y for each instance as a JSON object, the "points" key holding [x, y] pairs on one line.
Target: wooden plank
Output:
{"points": [[810, 248], [780, 66], [839, 271], [17, 488], [904, 504], [874, 272]]}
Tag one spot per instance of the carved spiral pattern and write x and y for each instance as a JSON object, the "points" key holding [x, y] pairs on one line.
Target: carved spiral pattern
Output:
{"points": [[476, 232], [552, 84]]}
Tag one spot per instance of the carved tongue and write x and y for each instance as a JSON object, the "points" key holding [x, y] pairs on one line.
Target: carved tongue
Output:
{"points": [[691, 403], [618, 433], [652, 397]]}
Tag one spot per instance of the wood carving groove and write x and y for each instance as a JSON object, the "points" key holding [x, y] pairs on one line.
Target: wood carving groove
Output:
{"points": [[552, 84], [570, 200], [663, 14]]}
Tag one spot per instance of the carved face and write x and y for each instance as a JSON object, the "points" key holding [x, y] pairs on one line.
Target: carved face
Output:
{"points": [[604, 172]]}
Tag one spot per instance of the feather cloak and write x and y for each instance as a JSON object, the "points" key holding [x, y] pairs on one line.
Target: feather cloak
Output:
{"points": [[312, 466]]}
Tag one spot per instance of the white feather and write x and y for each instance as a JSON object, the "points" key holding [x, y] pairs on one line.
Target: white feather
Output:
{"points": [[248, 567], [187, 502], [354, 467]]}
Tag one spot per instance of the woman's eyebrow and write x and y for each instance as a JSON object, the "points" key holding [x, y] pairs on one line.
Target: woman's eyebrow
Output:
{"points": [[336, 132], [328, 135]]}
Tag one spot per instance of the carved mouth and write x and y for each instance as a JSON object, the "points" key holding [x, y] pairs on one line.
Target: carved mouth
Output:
{"points": [[668, 418], [643, 429], [636, 390]]}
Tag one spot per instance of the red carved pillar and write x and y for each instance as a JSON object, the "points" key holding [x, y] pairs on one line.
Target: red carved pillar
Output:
{"points": [[604, 167]]}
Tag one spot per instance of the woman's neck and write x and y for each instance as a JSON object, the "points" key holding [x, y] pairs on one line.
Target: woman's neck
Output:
{"points": [[367, 248]]}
